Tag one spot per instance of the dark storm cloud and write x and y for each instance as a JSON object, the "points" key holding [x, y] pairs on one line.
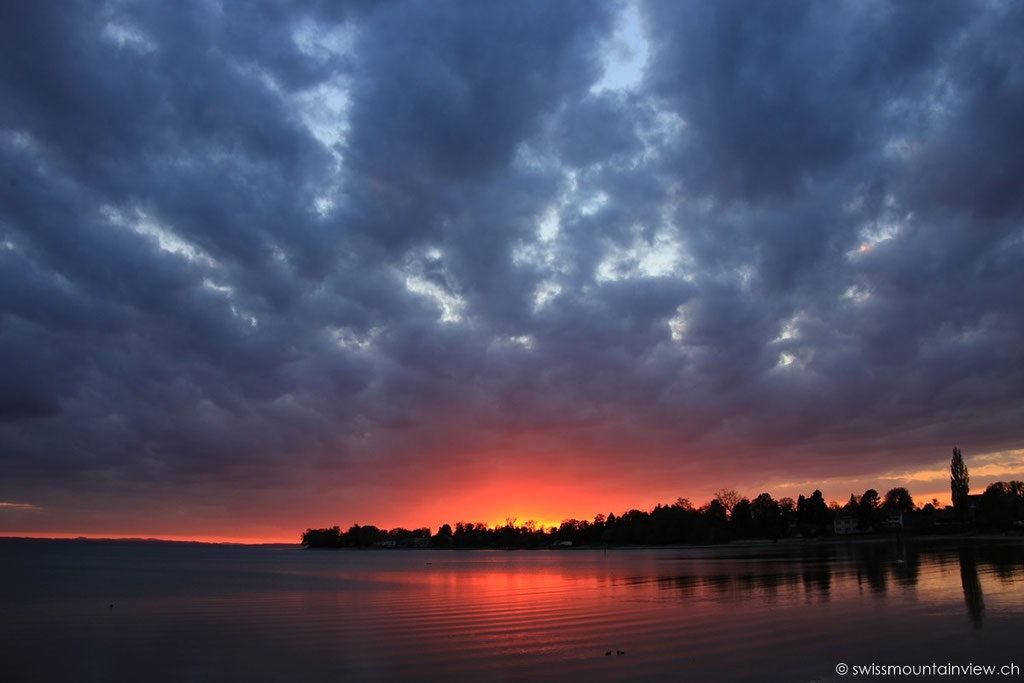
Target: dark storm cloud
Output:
{"points": [[594, 130], [270, 242], [780, 93]]}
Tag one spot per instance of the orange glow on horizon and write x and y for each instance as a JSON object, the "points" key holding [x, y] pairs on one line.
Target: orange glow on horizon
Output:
{"points": [[521, 498], [563, 486], [547, 505], [521, 522]]}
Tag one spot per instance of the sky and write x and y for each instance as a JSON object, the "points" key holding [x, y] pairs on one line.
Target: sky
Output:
{"points": [[270, 266]]}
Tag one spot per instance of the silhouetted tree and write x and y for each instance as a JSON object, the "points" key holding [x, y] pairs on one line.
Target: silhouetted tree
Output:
{"points": [[899, 499], [787, 512], [868, 509], [1002, 504], [728, 498], [571, 530], [610, 522], [741, 519], [767, 516], [716, 521], [322, 538], [802, 511], [363, 536], [959, 483], [819, 517], [443, 537]]}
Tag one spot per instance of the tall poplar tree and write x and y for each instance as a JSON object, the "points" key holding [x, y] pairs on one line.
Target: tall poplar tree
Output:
{"points": [[959, 483]]}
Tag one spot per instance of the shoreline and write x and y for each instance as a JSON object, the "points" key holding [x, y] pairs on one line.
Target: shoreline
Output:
{"points": [[853, 539], [967, 538]]}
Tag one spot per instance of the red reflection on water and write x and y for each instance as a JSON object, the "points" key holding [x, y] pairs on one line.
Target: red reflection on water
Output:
{"points": [[724, 613]]}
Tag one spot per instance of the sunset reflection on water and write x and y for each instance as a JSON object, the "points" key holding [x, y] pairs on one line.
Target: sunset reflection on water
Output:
{"points": [[208, 612]]}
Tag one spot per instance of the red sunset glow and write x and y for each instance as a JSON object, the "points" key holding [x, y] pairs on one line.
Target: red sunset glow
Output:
{"points": [[532, 267]]}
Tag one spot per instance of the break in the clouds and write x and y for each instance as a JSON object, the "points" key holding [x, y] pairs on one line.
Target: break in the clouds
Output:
{"points": [[264, 259]]}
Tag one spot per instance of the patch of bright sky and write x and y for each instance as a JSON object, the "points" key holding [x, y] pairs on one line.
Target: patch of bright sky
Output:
{"points": [[324, 107], [999, 464], [213, 286], [351, 340], [875, 233], [785, 359], [141, 223], [545, 292], [523, 340], [665, 127], [593, 204], [324, 111], [542, 252], [323, 205], [790, 329], [229, 293], [677, 324], [323, 42], [451, 305], [857, 294], [549, 225], [658, 257], [1003, 464], [125, 35], [6, 505], [625, 53], [880, 232]]}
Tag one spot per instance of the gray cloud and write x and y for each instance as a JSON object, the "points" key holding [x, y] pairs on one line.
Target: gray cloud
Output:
{"points": [[242, 245]]}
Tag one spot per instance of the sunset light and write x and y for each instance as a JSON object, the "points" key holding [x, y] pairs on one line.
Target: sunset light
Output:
{"points": [[499, 277], [572, 340]]}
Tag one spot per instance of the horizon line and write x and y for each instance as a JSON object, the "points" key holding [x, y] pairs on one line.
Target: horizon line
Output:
{"points": [[163, 538]]}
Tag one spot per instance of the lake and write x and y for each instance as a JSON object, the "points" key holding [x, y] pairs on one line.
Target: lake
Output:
{"points": [[790, 611]]}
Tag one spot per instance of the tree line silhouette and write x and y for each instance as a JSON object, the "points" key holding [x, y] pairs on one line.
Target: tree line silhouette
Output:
{"points": [[726, 517]]}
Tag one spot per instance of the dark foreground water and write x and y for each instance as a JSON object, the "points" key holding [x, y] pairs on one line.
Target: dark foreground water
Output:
{"points": [[223, 613]]}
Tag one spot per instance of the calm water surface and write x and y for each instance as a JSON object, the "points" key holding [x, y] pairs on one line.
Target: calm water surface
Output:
{"points": [[773, 612]]}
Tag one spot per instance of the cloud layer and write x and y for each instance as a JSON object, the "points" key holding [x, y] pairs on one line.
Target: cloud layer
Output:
{"points": [[277, 260]]}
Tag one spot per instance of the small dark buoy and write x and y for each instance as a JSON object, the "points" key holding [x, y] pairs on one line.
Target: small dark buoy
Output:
{"points": [[111, 605], [608, 654]]}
